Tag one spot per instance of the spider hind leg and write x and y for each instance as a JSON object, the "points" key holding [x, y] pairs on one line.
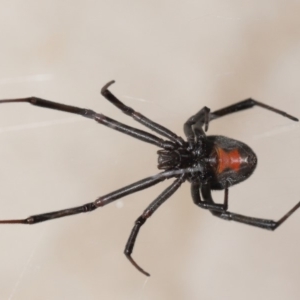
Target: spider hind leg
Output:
{"points": [[257, 222]]}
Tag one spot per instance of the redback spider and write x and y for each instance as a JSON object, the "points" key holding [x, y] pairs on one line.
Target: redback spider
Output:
{"points": [[207, 162]]}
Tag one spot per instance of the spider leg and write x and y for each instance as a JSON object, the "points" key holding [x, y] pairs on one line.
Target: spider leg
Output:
{"points": [[52, 215], [167, 193], [193, 126], [139, 117], [101, 201], [245, 104], [100, 118], [257, 222], [196, 122], [207, 203]]}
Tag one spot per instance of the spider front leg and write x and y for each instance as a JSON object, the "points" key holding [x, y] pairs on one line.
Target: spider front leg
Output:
{"points": [[101, 201], [98, 117], [146, 214], [139, 117]]}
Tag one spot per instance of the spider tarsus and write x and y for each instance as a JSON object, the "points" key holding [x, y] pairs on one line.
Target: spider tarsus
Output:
{"points": [[14, 100], [293, 118], [137, 266], [106, 86], [284, 114], [287, 215], [13, 222]]}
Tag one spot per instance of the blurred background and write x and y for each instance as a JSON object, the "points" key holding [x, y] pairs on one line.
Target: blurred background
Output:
{"points": [[169, 59]]}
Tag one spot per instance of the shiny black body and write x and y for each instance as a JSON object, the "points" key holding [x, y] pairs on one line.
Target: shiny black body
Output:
{"points": [[207, 162]]}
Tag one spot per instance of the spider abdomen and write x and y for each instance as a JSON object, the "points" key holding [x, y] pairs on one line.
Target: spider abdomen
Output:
{"points": [[232, 162], [229, 160]]}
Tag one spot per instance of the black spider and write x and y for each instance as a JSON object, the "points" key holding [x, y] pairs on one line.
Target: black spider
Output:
{"points": [[207, 162]]}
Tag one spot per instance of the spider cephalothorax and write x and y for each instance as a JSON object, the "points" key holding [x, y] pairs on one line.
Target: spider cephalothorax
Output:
{"points": [[207, 162]]}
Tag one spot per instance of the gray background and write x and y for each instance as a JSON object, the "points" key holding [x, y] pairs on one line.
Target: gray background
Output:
{"points": [[169, 58]]}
